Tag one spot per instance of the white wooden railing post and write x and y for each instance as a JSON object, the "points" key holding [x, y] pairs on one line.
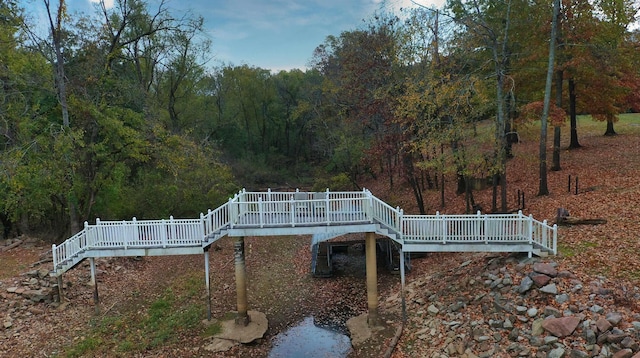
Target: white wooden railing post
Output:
{"points": [[292, 209], [260, 213], [530, 229], [401, 225], [90, 241], [124, 234], [444, 229], [172, 232], [54, 256], [163, 231], [98, 233], [326, 207], [232, 215], [545, 236], [370, 211], [486, 228], [204, 224], [555, 239], [271, 207]]}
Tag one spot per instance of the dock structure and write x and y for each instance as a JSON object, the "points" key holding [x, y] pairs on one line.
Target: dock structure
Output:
{"points": [[323, 215]]}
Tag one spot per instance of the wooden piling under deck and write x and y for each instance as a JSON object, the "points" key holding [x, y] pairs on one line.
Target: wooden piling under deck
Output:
{"points": [[242, 317], [372, 279]]}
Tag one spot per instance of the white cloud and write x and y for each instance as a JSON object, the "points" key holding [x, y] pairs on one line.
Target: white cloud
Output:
{"points": [[107, 3]]}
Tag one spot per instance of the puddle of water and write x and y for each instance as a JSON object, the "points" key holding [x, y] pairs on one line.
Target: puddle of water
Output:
{"points": [[306, 340]]}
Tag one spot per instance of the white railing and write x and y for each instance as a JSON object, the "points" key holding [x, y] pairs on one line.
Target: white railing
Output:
{"points": [[271, 209], [216, 220], [385, 214], [133, 234], [495, 228]]}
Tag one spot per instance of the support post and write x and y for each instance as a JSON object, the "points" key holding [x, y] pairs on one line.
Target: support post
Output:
{"points": [[402, 282], [372, 279], [242, 317], [206, 281], [94, 283]]}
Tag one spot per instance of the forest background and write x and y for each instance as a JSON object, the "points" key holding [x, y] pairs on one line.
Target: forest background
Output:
{"points": [[118, 115]]}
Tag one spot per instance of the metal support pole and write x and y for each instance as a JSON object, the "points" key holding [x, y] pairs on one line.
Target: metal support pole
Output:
{"points": [[206, 280], [402, 282], [94, 282], [372, 279], [242, 317]]}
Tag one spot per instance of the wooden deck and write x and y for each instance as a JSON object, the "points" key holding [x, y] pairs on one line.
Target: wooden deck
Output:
{"points": [[320, 214]]}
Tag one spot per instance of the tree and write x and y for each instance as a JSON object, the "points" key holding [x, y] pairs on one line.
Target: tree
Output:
{"points": [[359, 70], [487, 24], [543, 188]]}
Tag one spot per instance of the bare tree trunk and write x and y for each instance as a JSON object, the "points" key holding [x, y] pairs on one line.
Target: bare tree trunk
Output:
{"points": [[610, 131], [556, 129], [573, 116], [544, 189], [555, 166], [61, 88], [56, 35]]}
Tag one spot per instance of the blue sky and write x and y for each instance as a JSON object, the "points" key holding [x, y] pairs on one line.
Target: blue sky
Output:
{"points": [[271, 34]]}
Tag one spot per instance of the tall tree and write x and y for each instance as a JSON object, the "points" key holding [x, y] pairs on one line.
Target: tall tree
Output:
{"points": [[489, 23], [543, 188], [359, 70]]}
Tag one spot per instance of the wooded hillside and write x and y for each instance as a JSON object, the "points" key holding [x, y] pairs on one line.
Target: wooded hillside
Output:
{"points": [[118, 114]]}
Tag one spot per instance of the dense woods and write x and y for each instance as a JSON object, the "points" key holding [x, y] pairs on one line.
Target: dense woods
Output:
{"points": [[118, 113]]}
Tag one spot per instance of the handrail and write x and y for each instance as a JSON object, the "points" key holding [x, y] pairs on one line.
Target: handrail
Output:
{"points": [[268, 209]]}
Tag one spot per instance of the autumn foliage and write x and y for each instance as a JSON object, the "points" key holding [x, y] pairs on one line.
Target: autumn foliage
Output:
{"points": [[533, 111]]}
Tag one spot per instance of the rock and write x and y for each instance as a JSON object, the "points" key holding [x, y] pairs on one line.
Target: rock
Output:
{"points": [[525, 284], [596, 309], [43, 273], [550, 289], [549, 340], [220, 345], [614, 318], [256, 328], [623, 353], [556, 353], [552, 311], [566, 274], [537, 327], [616, 337], [532, 312], [590, 336], [540, 279], [7, 324], [562, 298], [561, 327], [507, 324], [521, 309], [603, 325], [359, 329], [628, 342], [578, 354], [545, 268], [513, 335], [433, 310]]}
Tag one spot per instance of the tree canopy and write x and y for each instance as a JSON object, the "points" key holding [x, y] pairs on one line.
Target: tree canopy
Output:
{"points": [[118, 113]]}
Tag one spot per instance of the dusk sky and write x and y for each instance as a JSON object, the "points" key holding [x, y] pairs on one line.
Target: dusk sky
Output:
{"points": [[271, 34]]}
